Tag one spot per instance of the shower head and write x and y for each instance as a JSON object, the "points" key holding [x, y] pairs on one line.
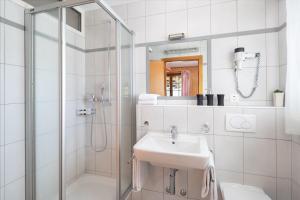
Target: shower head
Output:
{"points": [[102, 89]]}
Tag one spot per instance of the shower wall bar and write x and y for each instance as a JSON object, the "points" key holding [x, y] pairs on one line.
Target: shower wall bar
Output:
{"points": [[30, 92], [71, 3]]}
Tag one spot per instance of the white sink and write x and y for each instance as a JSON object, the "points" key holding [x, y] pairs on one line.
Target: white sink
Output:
{"points": [[188, 151]]}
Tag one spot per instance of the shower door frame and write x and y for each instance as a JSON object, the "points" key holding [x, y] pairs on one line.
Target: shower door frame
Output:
{"points": [[30, 150]]}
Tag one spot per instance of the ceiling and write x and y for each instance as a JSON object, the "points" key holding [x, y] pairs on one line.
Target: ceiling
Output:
{"points": [[119, 2], [36, 3]]}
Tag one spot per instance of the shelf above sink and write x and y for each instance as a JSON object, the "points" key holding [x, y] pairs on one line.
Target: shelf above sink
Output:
{"points": [[187, 151]]}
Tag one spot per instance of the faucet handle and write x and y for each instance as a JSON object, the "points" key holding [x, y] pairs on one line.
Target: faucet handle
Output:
{"points": [[173, 127]]}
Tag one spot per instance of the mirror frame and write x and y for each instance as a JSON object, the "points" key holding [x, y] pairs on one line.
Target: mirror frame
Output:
{"points": [[209, 69]]}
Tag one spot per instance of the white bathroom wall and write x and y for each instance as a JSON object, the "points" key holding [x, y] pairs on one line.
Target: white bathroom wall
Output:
{"points": [[296, 139], [296, 168], [261, 159], [100, 29], [12, 123], [152, 21]]}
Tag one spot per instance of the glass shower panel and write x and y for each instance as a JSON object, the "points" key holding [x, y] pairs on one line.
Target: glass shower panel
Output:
{"points": [[46, 73], [126, 94]]}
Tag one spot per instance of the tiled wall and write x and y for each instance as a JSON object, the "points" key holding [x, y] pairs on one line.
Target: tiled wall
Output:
{"points": [[75, 99], [152, 21], [296, 168], [262, 159], [99, 29], [12, 127]]}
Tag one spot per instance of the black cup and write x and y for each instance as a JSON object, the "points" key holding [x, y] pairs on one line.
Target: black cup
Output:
{"points": [[210, 99], [200, 99], [220, 99]]}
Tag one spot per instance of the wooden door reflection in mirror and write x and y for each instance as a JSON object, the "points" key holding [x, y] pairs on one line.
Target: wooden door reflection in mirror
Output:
{"points": [[177, 76]]}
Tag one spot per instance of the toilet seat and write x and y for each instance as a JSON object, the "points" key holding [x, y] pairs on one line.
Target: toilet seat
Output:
{"points": [[235, 191]]}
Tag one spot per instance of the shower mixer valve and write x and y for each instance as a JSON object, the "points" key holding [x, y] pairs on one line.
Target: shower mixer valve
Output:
{"points": [[86, 111]]}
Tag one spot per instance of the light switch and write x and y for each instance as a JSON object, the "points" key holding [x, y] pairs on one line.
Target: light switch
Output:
{"points": [[241, 123]]}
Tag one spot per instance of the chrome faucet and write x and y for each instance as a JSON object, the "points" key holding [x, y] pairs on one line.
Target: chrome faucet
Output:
{"points": [[174, 132]]}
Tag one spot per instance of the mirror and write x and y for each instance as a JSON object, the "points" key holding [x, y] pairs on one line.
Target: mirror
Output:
{"points": [[178, 69]]}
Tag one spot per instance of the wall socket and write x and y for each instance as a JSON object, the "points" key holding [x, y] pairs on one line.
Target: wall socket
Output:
{"points": [[234, 98]]}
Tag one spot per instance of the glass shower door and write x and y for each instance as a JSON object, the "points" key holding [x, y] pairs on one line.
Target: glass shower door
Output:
{"points": [[126, 107], [46, 96]]}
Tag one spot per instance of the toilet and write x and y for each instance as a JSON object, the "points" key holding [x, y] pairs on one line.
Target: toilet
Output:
{"points": [[235, 191]]}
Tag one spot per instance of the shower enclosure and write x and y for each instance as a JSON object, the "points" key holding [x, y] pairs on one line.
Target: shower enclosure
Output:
{"points": [[79, 102]]}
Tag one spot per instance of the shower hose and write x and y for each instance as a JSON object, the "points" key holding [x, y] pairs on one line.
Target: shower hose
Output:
{"points": [[94, 146], [255, 83]]}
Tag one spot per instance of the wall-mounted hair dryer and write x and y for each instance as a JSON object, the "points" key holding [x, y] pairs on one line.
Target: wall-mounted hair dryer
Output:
{"points": [[240, 57]]}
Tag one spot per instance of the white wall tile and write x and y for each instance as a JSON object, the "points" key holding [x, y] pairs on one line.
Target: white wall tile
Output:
{"points": [[47, 149], [138, 26], [15, 190], [140, 60], [284, 189], [2, 83], [197, 3], [2, 39], [272, 81], [282, 77], [194, 183], [175, 115], [284, 160], [283, 47], [137, 9], [14, 161], [223, 82], [220, 1], [223, 52], [14, 123], [156, 28], [175, 5], [155, 179], [272, 50], [260, 156], [155, 7], [223, 18], [229, 176], [282, 11], [121, 10], [268, 184], [280, 125], [199, 21], [100, 157], [265, 123], [251, 15], [154, 115], [14, 12], [140, 84], [295, 191], [198, 118], [2, 121], [296, 162], [229, 153], [14, 84], [272, 12], [14, 46], [176, 22], [2, 166]]}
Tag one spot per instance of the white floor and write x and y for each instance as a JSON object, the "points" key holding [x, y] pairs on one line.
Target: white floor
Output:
{"points": [[92, 187]]}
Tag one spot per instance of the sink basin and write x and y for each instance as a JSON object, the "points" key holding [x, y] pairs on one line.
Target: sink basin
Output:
{"points": [[188, 151]]}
